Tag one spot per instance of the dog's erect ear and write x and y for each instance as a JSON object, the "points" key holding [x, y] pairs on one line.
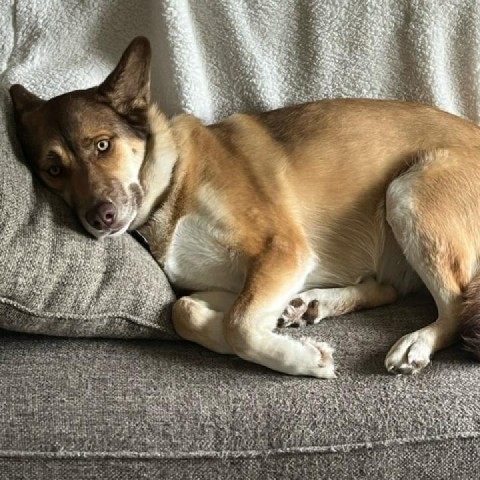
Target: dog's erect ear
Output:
{"points": [[127, 88], [23, 100]]}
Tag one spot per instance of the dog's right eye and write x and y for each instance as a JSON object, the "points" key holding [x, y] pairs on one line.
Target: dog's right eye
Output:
{"points": [[103, 145], [54, 171]]}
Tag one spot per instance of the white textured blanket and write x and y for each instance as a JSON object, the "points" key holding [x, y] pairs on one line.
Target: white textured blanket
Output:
{"points": [[214, 57]]}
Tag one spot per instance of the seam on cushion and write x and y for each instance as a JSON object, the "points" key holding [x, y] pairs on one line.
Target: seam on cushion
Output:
{"points": [[341, 448], [76, 316]]}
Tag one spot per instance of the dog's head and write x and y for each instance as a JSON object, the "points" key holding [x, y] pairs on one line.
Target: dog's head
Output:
{"points": [[89, 145]]}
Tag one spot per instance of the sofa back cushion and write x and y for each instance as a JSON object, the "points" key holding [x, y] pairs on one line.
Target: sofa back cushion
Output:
{"points": [[55, 279]]}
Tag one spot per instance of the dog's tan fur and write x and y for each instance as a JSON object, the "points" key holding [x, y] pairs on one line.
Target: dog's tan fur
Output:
{"points": [[345, 202]]}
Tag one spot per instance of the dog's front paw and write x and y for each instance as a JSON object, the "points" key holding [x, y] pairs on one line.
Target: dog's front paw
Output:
{"points": [[322, 353], [299, 313], [409, 355]]}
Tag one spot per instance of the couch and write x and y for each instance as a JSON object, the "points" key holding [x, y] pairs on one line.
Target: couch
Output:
{"points": [[94, 383]]}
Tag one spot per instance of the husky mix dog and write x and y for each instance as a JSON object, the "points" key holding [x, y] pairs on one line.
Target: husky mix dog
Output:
{"points": [[287, 216]]}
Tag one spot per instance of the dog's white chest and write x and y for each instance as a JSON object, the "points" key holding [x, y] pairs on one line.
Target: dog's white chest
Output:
{"points": [[197, 260]]}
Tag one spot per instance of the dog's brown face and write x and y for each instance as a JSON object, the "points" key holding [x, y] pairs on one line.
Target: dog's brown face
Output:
{"points": [[89, 145]]}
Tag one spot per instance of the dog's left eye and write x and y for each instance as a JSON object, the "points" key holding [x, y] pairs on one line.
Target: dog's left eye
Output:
{"points": [[103, 145], [54, 171]]}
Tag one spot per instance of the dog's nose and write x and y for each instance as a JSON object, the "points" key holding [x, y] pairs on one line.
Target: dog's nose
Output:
{"points": [[102, 216]]}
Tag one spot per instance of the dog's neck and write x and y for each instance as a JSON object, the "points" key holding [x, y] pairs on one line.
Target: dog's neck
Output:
{"points": [[157, 168]]}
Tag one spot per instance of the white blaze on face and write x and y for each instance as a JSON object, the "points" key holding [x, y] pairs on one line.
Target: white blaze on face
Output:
{"points": [[119, 185], [132, 153]]}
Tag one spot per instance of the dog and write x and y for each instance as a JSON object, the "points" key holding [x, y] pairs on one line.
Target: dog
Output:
{"points": [[307, 211]]}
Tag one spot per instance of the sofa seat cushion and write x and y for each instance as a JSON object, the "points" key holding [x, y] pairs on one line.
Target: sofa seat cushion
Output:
{"points": [[95, 408]]}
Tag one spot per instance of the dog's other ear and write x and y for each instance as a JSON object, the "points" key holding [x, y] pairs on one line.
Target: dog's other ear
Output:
{"points": [[127, 88], [23, 100]]}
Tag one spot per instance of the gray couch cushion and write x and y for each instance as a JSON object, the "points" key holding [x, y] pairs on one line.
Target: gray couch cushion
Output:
{"points": [[115, 409], [55, 279]]}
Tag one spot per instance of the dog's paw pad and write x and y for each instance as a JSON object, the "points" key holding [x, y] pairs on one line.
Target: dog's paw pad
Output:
{"points": [[293, 313], [311, 314]]}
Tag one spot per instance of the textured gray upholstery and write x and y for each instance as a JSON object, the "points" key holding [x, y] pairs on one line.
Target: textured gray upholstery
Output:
{"points": [[57, 280], [115, 409]]}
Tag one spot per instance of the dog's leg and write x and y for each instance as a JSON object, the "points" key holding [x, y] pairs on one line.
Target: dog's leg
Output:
{"points": [[313, 305], [273, 278], [199, 318], [428, 210]]}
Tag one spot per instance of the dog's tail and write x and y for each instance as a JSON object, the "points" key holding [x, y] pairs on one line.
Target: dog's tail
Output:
{"points": [[470, 318]]}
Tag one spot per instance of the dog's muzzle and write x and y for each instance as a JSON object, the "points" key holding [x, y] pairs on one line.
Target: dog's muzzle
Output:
{"points": [[110, 218], [103, 217]]}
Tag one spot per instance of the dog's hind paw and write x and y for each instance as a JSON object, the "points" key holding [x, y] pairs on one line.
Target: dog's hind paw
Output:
{"points": [[299, 313], [409, 355]]}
